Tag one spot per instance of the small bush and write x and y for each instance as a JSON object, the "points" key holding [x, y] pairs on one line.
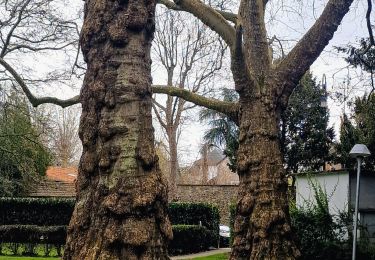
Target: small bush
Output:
{"points": [[191, 239]]}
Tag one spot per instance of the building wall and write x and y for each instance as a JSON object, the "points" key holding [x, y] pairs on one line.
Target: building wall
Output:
{"points": [[336, 185], [366, 191], [220, 195]]}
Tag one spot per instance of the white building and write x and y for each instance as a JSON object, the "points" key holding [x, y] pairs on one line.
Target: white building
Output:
{"points": [[340, 188]]}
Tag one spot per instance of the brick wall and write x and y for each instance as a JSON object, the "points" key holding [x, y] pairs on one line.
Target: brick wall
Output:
{"points": [[220, 195]]}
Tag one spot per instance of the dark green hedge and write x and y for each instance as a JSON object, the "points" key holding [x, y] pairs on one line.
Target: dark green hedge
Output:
{"points": [[36, 211], [54, 212], [191, 239], [26, 220], [195, 214], [33, 234]]}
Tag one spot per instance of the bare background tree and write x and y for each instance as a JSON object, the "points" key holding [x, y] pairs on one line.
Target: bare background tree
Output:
{"points": [[65, 143], [33, 31], [191, 56]]}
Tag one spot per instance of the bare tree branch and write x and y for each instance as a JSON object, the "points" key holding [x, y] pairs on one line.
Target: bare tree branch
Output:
{"points": [[228, 108], [158, 116], [173, 6], [10, 33], [35, 101], [368, 22], [307, 50], [209, 16]]}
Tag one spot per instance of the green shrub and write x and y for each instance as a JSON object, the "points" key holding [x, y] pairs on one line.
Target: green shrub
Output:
{"points": [[36, 211], [32, 234], [191, 239], [195, 214]]}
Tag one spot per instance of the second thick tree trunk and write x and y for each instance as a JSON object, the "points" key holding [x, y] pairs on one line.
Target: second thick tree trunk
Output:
{"points": [[262, 224], [121, 205]]}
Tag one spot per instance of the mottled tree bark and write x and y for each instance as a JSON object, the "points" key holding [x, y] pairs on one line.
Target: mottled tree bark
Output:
{"points": [[121, 205], [262, 229]]}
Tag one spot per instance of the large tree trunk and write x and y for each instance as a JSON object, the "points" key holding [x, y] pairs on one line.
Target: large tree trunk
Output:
{"points": [[121, 205], [262, 224]]}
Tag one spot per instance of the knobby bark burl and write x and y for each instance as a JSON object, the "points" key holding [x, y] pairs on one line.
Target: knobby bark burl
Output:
{"points": [[121, 205]]}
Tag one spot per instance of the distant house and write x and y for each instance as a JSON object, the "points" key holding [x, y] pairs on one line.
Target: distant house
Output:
{"points": [[58, 182], [211, 168], [340, 187]]}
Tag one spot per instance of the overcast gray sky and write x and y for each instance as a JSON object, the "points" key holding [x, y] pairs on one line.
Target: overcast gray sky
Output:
{"points": [[288, 20]]}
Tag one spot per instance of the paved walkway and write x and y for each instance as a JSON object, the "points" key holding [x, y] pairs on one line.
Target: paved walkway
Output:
{"points": [[207, 253]]}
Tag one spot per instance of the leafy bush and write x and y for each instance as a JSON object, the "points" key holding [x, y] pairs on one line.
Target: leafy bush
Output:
{"points": [[191, 239], [323, 236], [36, 211]]}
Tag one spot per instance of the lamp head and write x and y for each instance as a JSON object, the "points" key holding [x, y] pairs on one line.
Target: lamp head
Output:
{"points": [[359, 150]]}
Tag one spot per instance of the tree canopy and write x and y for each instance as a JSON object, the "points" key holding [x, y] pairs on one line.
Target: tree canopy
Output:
{"points": [[305, 136]]}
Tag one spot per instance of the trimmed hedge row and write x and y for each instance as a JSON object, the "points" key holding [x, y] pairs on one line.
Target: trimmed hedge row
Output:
{"points": [[186, 238], [36, 211], [41, 220], [191, 239], [33, 234], [53, 212]]}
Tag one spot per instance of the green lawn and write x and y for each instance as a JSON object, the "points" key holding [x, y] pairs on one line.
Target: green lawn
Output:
{"points": [[27, 258], [213, 257]]}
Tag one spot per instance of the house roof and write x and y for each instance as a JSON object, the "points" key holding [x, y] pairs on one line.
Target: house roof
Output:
{"points": [[214, 157], [63, 174], [59, 182], [50, 188]]}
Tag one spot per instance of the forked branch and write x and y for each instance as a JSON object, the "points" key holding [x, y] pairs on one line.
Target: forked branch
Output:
{"points": [[228, 108], [36, 101], [209, 16], [173, 6], [308, 49]]}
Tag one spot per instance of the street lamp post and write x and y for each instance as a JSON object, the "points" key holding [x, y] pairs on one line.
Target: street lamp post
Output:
{"points": [[358, 151]]}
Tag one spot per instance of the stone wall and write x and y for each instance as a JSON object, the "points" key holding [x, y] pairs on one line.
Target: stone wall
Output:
{"points": [[220, 195]]}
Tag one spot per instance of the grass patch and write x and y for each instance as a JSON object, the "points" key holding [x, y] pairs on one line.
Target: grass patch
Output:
{"points": [[27, 258], [224, 256]]}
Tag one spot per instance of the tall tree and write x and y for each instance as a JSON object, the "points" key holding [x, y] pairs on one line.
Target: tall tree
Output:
{"points": [[348, 138], [362, 130], [305, 136], [364, 116], [262, 225], [121, 208], [121, 200], [191, 56]]}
